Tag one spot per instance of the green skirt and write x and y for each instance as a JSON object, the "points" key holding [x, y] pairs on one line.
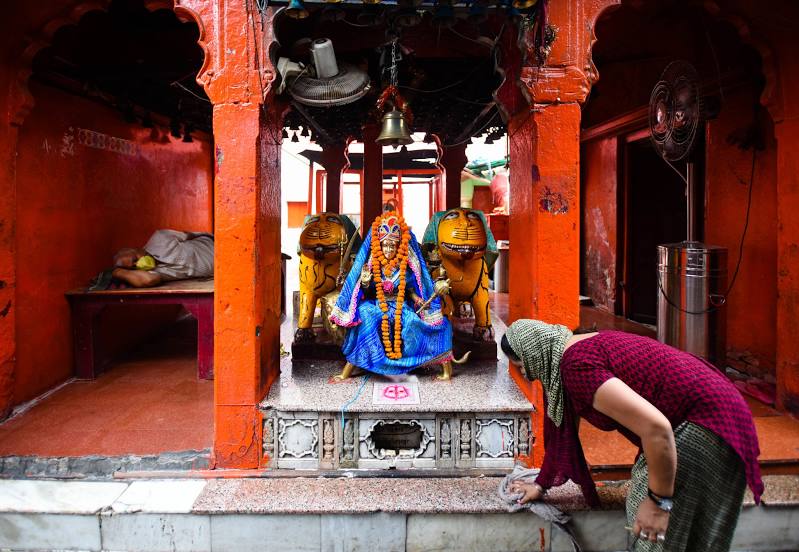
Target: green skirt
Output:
{"points": [[708, 493]]}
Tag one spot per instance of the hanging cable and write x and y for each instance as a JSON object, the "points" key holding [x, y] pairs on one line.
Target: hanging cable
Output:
{"points": [[722, 300]]}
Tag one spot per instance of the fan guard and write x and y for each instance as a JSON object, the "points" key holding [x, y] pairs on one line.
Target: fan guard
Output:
{"points": [[349, 85], [675, 111]]}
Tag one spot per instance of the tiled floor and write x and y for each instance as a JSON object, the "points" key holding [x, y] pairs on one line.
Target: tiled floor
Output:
{"points": [[150, 403]]}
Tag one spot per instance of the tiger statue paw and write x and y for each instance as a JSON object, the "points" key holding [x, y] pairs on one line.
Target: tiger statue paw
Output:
{"points": [[304, 335], [483, 333]]}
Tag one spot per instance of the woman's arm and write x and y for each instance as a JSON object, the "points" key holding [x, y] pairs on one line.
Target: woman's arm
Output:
{"points": [[616, 400]]}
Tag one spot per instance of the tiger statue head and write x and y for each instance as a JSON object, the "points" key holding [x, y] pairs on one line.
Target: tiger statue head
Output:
{"points": [[323, 241], [322, 236], [462, 235], [461, 241]]}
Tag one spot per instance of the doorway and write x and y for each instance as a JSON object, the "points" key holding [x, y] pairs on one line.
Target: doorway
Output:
{"points": [[654, 213]]}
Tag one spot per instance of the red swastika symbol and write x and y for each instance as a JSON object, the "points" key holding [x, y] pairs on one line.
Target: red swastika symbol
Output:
{"points": [[396, 392]]}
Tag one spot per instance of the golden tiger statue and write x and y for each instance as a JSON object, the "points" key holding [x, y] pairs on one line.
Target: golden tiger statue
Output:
{"points": [[324, 243], [461, 243]]}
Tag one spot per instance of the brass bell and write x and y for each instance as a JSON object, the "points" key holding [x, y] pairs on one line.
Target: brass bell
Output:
{"points": [[524, 4], [296, 10], [394, 131]]}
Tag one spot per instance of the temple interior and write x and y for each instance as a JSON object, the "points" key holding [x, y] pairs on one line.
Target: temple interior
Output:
{"points": [[122, 140]]}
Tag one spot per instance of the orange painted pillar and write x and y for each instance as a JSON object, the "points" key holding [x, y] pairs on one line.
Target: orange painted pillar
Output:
{"points": [[247, 222], [334, 160], [453, 159], [372, 181], [247, 279], [544, 229], [787, 132], [544, 214]]}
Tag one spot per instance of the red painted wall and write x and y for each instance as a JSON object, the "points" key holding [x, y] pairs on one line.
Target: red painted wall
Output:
{"points": [[599, 221], [76, 205], [752, 304]]}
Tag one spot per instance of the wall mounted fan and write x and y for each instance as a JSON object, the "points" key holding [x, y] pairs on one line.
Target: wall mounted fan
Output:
{"points": [[676, 114], [326, 82]]}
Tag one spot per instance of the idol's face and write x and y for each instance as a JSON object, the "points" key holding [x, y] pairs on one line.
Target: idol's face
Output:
{"points": [[389, 248]]}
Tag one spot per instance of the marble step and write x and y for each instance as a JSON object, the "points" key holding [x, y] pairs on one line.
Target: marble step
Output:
{"points": [[342, 514]]}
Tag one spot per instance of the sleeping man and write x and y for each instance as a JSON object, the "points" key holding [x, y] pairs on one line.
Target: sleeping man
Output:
{"points": [[168, 255]]}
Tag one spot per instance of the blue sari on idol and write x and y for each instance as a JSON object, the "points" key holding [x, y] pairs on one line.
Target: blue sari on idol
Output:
{"points": [[426, 337]]}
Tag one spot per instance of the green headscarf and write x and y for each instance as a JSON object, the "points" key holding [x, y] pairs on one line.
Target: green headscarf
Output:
{"points": [[540, 346]]}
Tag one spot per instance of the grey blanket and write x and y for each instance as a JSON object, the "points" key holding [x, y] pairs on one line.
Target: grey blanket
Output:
{"points": [[541, 509]]}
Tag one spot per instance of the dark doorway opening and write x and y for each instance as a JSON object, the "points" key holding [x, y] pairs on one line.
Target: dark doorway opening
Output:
{"points": [[655, 213]]}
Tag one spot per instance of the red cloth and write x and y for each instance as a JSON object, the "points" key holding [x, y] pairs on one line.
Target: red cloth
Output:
{"points": [[682, 386]]}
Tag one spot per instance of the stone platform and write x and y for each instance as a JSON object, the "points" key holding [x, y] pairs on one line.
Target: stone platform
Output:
{"points": [[342, 514], [479, 419]]}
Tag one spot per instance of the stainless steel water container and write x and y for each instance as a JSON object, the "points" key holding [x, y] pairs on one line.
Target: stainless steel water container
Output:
{"points": [[692, 315]]}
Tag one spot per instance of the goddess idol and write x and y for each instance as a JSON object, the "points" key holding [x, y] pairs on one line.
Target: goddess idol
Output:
{"points": [[390, 306]]}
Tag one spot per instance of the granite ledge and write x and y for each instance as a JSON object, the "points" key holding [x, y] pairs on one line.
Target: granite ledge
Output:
{"points": [[472, 495]]}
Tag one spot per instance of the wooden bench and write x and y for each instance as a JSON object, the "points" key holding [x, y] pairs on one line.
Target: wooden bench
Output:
{"points": [[196, 296]]}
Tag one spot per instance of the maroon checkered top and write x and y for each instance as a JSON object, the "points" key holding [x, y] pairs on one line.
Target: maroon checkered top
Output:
{"points": [[682, 386]]}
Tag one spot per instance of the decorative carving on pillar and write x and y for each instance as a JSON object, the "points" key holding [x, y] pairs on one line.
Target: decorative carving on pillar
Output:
{"points": [[236, 38], [349, 440], [269, 437], [328, 440], [524, 436], [466, 439], [446, 440]]}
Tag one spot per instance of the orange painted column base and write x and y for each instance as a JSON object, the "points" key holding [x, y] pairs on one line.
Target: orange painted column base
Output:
{"points": [[544, 228]]}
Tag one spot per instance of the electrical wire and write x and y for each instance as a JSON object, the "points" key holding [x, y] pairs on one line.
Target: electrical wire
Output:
{"points": [[726, 294], [464, 37], [179, 85], [482, 129], [447, 87], [346, 405], [746, 222]]}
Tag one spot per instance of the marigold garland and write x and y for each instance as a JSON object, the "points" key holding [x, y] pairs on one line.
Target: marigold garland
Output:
{"points": [[393, 351]]}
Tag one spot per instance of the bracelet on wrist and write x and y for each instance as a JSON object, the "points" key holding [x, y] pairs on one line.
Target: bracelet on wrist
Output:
{"points": [[665, 503]]}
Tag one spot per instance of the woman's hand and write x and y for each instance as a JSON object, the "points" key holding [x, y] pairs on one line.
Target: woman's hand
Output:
{"points": [[650, 521], [531, 491]]}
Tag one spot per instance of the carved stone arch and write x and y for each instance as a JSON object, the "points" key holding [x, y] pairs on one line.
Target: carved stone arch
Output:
{"points": [[771, 97], [22, 101], [569, 73], [594, 11]]}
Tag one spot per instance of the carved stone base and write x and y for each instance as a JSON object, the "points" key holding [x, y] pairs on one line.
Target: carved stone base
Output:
{"points": [[446, 440]]}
